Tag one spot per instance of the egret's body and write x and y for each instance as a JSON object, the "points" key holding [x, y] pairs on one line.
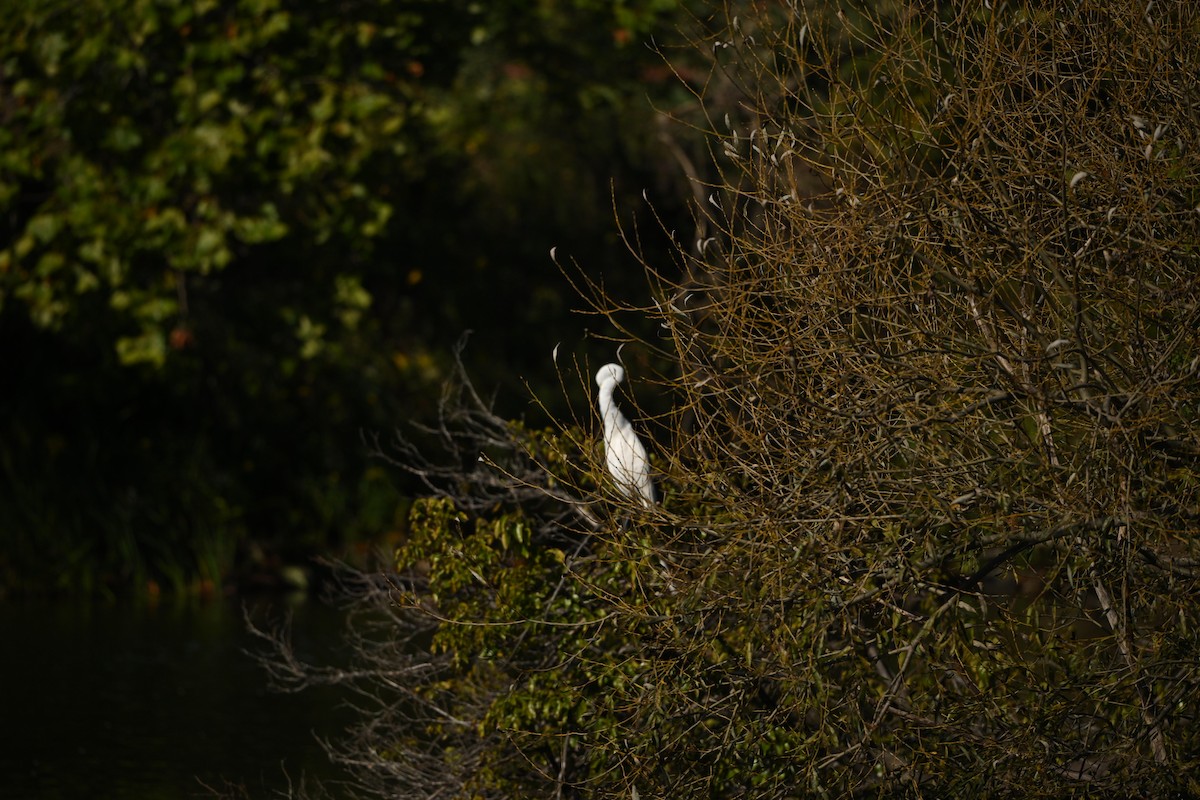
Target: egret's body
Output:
{"points": [[623, 450]]}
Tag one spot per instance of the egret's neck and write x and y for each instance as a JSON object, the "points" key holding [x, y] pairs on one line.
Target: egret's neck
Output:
{"points": [[608, 409]]}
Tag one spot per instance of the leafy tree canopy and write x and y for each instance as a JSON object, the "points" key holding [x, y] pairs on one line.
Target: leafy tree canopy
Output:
{"points": [[232, 235]]}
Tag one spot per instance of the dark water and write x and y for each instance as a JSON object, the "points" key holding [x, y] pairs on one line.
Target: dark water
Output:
{"points": [[124, 701]]}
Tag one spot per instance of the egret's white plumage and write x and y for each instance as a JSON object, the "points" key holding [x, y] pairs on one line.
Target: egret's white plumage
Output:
{"points": [[623, 450]]}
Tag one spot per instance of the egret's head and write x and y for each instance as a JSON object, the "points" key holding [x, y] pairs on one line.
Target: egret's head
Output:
{"points": [[610, 372]]}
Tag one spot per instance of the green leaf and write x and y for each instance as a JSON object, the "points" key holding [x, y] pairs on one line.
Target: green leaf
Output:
{"points": [[265, 228], [44, 227], [150, 347]]}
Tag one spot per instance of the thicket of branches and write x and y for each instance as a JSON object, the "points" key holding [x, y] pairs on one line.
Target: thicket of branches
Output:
{"points": [[932, 474]]}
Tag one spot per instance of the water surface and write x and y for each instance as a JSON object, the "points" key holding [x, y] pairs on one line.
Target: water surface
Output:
{"points": [[128, 701]]}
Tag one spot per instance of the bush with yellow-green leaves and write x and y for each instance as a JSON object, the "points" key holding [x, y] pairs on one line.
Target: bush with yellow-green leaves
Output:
{"points": [[931, 481]]}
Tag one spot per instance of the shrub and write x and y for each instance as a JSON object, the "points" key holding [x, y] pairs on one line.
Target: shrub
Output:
{"points": [[930, 481]]}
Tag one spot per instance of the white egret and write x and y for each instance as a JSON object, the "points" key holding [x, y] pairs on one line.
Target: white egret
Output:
{"points": [[623, 450]]}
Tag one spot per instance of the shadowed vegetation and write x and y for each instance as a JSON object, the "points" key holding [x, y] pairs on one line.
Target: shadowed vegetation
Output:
{"points": [[234, 235], [930, 464]]}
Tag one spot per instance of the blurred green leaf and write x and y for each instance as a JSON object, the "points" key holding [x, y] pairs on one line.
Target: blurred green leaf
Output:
{"points": [[149, 347]]}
